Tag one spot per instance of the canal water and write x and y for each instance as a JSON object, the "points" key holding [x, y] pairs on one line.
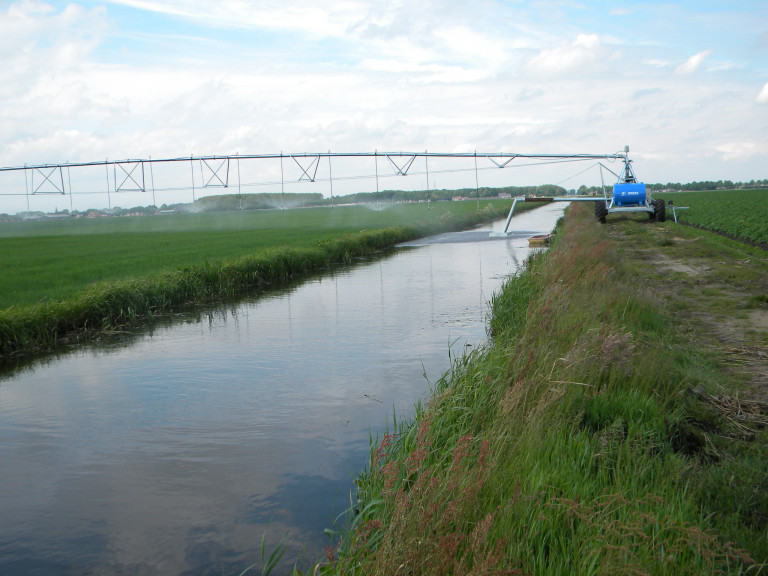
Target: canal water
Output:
{"points": [[175, 450]]}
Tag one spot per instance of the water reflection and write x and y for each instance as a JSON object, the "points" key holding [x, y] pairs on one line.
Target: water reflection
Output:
{"points": [[171, 455]]}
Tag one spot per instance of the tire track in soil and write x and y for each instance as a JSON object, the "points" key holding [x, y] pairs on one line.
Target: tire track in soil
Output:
{"points": [[716, 291]]}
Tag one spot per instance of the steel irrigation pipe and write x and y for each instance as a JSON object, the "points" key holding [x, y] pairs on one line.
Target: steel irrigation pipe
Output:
{"points": [[335, 178]]}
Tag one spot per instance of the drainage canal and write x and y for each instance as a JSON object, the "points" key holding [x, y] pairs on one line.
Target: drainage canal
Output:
{"points": [[172, 451]]}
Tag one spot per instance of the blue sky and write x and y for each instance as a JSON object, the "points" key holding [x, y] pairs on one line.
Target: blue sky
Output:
{"points": [[684, 84]]}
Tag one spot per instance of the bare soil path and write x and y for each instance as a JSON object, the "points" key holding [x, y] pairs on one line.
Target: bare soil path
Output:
{"points": [[715, 288]]}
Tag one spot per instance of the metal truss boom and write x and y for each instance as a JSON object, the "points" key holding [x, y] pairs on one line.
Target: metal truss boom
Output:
{"points": [[500, 159], [208, 172]]}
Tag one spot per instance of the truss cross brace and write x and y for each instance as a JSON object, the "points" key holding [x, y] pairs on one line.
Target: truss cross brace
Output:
{"points": [[58, 188], [501, 164], [128, 169], [402, 170], [216, 173], [314, 163]]}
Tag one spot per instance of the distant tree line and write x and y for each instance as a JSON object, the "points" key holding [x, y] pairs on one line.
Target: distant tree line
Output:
{"points": [[444, 194], [273, 200], [91, 212], [710, 185], [691, 186], [256, 201]]}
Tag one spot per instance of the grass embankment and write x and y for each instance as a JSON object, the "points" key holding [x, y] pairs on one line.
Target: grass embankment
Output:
{"points": [[576, 442], [63, 278]]}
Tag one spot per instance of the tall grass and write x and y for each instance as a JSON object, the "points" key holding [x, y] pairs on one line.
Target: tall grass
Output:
{"points": [[569, 445]]}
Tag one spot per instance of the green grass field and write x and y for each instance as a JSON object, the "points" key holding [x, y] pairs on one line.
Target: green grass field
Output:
{"points": [[51, 260], [740, 213], [63, 279]]}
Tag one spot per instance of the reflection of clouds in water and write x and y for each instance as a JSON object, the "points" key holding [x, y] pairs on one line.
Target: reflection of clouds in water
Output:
{"points": [[179, 449], [296, 502]]}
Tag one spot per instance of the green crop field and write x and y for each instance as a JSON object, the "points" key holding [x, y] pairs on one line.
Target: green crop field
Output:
{"points": [[740, 213], [55, 259]]}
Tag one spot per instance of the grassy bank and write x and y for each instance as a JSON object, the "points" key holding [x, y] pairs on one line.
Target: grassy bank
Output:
{"points": [[583, 439], [102, 281]]}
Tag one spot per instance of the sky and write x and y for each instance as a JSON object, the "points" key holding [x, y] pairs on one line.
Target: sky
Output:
{"points": [[683, 84]]}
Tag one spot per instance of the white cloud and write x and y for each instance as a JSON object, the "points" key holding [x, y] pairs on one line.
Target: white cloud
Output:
{"points": [[35, 42], [472, 45], [724, 66], [762, 98], [693, 63], [656, 63], [323, 20], [742, 150], [354, 75], [574, 57]]}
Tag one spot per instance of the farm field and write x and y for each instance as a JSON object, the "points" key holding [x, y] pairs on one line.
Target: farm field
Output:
{"points": [[64, 279], [52, 260], [740, 213]]}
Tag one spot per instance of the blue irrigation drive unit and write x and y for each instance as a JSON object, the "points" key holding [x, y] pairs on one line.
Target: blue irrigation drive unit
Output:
{"points": [[629, 194]]}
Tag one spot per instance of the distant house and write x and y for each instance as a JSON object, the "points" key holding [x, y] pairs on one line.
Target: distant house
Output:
{"points": [[505, 195]]}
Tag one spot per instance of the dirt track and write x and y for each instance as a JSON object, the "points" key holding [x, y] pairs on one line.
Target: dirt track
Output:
{"points": [[715, 288]]}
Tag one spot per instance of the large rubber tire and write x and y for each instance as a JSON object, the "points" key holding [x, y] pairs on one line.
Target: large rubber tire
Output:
{"points": [[660, 208], [601, 211]]}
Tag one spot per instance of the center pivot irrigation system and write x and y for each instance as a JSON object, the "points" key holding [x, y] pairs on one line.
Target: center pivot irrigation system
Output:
{"points": [[629, 195], [273, 171], [207, 173]]}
